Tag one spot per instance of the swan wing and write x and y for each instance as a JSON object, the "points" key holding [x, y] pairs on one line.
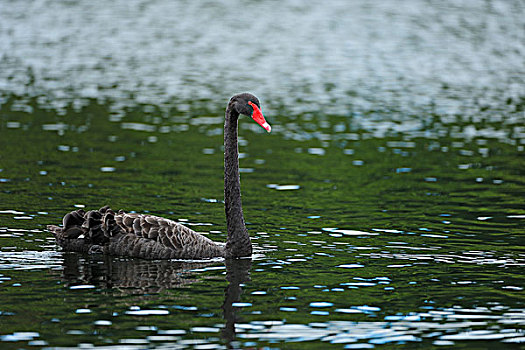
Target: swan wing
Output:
{"points": [[167, 232]]}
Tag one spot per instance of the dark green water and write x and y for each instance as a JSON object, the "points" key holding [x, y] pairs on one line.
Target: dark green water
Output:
{"points": [[386, 207], [381, 240]]}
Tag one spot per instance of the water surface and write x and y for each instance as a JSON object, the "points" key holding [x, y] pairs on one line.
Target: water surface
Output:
{"points": [[386, 206]]}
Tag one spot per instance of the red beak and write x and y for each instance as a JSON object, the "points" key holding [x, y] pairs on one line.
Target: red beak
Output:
{"points": [[258, 117]]}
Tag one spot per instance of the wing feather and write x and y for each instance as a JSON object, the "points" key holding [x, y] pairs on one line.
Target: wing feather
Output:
{"points": [[168, 233]]}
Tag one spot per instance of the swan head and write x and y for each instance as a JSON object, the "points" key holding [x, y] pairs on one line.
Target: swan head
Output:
{"points": [[249, 105]]}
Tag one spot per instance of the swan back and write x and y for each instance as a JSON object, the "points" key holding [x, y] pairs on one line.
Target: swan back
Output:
{"points": [[133, 235]]}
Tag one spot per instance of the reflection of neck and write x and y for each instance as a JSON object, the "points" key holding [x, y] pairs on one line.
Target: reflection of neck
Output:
{"points": [[238, 243], [237, 272]]}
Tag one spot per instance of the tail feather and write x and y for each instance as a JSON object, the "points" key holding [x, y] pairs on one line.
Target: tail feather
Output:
{"points": [[55, 230], [82, 230]]}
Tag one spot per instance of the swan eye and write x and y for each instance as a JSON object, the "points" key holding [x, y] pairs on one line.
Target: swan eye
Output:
{"points": [[258, 117]]}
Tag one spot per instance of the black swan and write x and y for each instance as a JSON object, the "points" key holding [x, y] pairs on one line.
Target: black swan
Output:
{"points": [[152, 237]]}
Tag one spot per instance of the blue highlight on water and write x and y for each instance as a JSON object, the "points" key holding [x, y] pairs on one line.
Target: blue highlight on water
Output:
{"points": [[321, 304]]}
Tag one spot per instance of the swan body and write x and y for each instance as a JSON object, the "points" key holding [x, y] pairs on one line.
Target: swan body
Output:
{"points": [[134, 235], [153, 237]]}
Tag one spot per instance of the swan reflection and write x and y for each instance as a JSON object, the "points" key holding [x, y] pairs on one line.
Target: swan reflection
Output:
{"points": [[145, 277]]}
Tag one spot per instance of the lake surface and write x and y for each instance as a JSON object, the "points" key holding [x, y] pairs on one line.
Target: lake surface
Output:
{"points": [[386, 206]]}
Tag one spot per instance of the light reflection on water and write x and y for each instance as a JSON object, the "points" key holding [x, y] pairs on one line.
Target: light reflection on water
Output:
{"points": [[440, 326], [29, 260], [374, 57]]}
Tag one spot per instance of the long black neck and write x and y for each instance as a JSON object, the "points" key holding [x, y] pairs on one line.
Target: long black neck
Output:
{"points": [[238, 243]]}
